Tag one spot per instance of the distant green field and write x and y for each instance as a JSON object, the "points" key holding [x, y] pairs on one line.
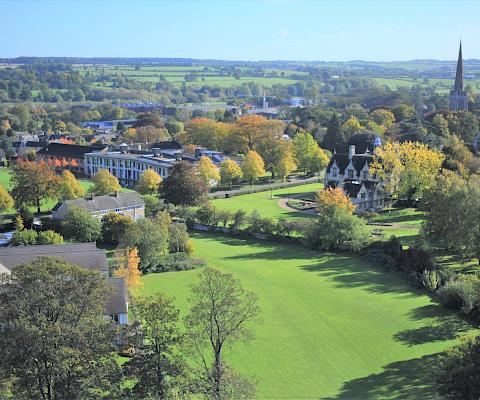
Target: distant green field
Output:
{"points": [[176, 75], [332, 326], [440, 85]]}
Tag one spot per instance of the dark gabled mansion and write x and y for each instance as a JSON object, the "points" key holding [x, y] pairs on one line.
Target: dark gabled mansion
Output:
{"points": [[351, 173]]}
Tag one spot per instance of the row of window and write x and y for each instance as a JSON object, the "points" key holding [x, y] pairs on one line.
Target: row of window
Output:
{"points": [[350, 173]]}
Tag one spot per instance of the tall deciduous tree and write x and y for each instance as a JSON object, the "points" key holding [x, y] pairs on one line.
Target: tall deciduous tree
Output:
{"points": [[70, 187], [230, 172], [104, 183], [55, 341], [253, 166], [205, 132], [351, 126], [307, 153], [149, 182], [32, 183], [157, 369], [382, 117], [220, 314], [183, 186], [6, 201], [406, 169], [129, 270], [208, 171], [287, 163]]}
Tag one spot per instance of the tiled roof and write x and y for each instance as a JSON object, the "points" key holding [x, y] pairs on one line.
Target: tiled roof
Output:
{"points": [[101, 203], [69, 150], [84, 254]]}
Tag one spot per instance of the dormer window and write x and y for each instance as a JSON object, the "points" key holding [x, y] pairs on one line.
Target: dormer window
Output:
{"points": [[350, 173], [365, 175], [334, 171]]}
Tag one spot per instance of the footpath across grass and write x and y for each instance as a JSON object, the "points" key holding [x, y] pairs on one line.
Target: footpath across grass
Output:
{"points": [[333, 327]]}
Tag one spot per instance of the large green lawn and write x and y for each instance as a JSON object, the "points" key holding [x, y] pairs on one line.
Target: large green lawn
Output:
{"points": [[267, 205], [332, 327]]}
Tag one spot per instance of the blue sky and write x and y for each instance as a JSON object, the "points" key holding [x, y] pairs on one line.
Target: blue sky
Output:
{"points": [[242, 29]]}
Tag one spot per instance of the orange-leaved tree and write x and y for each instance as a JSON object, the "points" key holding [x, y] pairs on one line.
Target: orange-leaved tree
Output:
{"points": [[331, 198], [130, 271]]}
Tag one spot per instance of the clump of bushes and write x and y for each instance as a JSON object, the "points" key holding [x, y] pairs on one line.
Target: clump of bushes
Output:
{"points": [[29, 237], [462, 292], [173, 262]]}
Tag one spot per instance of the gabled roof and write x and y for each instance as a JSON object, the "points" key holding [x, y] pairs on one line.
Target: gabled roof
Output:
{"points": [[69, 150], [84, 254], [342, 161], [351, 189], [103, 203]]}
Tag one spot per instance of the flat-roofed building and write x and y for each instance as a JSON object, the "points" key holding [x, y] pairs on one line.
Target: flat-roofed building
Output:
{"points": [[127, 167]]}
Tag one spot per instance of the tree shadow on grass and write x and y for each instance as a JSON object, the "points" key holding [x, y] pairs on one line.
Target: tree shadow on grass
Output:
{"points": [[348, 272], [445, 325], [344, 270], [410, 379]]}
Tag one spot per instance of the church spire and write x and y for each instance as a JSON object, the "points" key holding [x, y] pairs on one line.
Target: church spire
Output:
{"points": [[458, 95], [458, 87]]}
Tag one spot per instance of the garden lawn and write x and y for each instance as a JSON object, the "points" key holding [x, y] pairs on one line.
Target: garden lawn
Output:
{"points": [[265, 204], [332, 327]]}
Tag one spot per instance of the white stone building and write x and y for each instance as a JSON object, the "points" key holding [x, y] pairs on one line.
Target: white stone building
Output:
{"points": [[127, 167]]}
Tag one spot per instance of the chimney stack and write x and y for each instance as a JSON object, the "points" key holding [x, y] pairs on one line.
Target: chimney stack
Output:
{"points": [[351, 151]]}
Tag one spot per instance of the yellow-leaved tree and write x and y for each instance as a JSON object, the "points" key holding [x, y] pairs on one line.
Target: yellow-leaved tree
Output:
{"points": [[406, 169], [6, 201], [351, 126], [130, 271], [104, 183], [208, 171], [287, 163], [230, 172], [331, 198], [70, 187], [253, 166], [149, 182]]}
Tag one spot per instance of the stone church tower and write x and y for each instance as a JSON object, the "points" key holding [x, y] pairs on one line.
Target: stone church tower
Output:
{"points": [[458, 96]]}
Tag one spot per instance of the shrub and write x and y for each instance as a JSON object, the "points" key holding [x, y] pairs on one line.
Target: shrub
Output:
{"points": [[174, 262], [80, 225], [239, 218], [205, 214], [431, 280], [27, 237], [49, 237], [462, 293]]}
